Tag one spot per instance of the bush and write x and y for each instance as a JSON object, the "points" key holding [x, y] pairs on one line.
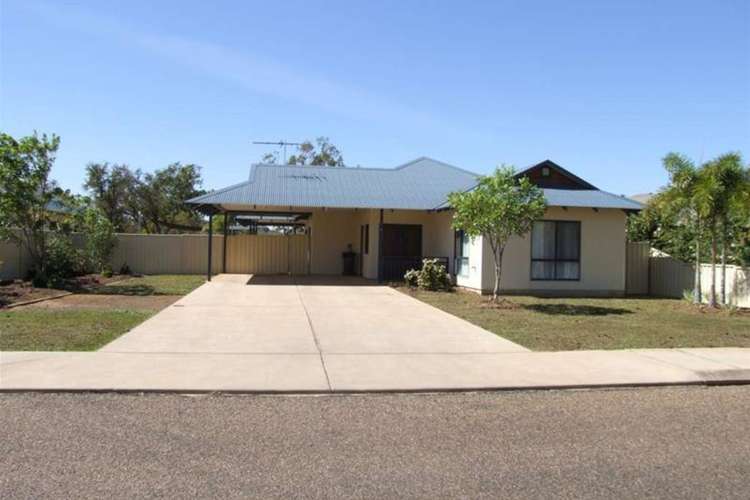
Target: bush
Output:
{"points": [[433, 276], [412, 278], [100, 240], [63, 262]]}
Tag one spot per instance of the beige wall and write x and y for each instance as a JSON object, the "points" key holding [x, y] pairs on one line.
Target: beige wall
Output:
{"points": [[603, 258]]}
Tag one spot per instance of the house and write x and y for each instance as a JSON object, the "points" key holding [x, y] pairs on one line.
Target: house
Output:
{"points": [[384, 221]]}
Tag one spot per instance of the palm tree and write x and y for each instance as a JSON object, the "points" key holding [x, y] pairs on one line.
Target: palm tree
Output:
{"points": [[732, 201], [679, 199]]}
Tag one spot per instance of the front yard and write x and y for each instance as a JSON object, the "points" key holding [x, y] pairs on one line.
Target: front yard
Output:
{"points": [[92, 316], [564, 324]]}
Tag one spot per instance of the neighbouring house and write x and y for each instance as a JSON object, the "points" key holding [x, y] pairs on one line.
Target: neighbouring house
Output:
{"points": [[378, 223]]}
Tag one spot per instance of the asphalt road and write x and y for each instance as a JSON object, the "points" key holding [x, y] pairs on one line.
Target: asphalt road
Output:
{"points": [[661, 442]]}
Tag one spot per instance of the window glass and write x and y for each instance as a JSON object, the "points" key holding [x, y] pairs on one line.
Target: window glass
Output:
{"points": [[555, 250]]}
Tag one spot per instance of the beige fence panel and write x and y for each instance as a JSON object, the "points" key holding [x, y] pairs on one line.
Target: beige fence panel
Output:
{"points": [[670, 277], [267, 254], [14, 261], [637, 277], [673, 278], [166, 253]]}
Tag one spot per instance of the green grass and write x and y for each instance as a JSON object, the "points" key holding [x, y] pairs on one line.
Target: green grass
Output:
{"points": [[64, 330], [161, 284], [573, 323]]}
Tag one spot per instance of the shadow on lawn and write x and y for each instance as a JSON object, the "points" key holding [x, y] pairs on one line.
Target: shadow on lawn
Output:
{"points": [[575, 310], [132, 290]]}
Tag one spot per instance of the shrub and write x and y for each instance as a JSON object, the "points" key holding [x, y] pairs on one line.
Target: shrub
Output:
{"points": [[433, 276], [412, 278], [63, 262], [125, 269], [100, 240]]}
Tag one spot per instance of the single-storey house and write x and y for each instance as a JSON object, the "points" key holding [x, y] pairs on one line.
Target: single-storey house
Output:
{"points": [[379, 222]]}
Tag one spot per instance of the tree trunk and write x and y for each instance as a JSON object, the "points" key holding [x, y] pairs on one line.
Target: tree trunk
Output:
{"points": [[697, 292], [498, 272], [724, 263], [712, 292]]}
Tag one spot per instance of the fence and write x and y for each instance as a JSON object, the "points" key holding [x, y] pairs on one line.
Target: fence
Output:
{"points": [[186, 254], [672, 278], [664, 276]]}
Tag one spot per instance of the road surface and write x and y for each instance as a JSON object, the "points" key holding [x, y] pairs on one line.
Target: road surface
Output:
{"points": [[659, 442]]}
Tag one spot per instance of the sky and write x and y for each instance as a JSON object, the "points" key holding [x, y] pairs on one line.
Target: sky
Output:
{"points": [[604, 89]]}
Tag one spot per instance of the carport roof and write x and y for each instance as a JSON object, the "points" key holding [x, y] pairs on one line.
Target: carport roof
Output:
{"points": [[422, 184]]}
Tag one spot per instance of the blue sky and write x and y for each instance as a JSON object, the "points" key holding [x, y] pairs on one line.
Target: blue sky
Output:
{"points": [[603, 88]]}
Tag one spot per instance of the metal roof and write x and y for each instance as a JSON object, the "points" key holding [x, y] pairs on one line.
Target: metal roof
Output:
{"points": [[422, 184]]}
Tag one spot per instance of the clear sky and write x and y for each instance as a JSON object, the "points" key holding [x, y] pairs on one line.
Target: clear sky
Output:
{"points": [[603, 88]]}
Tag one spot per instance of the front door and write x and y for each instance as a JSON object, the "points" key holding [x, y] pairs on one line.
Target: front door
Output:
{"points": [[402, 249]]}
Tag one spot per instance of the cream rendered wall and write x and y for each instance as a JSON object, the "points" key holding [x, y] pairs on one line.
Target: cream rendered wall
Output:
{"points": [[331, 231], [603, 258], [476, 265]]}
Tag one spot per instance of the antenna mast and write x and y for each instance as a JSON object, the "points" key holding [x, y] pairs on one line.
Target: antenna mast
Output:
{"points": [[282, 144]]}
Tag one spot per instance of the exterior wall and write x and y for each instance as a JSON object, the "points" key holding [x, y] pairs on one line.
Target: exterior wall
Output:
{"points": [[603, 258]]}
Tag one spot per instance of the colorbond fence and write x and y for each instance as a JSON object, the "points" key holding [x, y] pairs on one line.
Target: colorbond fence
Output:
{"points": [[187, 254]]}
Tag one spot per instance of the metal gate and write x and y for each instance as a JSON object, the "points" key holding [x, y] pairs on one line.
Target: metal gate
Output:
{"points": [[268, 254]]}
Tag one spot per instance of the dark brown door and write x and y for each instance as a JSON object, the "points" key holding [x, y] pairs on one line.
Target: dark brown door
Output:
{"points": [[402, 240], [402, 249]]}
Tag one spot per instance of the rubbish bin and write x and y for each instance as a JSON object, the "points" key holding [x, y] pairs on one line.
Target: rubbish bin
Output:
{"points": [[349, 259]]}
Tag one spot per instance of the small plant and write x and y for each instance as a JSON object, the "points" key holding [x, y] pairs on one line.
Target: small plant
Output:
{"points": [[687, 295], [63, 262], [125, 269], [433, 276], [411, 278]]}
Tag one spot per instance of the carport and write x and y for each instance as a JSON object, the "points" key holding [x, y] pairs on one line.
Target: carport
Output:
{"points": [[287, 222]]}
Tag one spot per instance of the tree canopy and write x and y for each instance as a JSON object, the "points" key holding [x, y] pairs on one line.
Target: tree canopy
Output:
{"points": [[151, 202], [26, 191]]}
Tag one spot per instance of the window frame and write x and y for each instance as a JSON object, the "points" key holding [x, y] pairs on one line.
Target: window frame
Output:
{"points": [[461, 270], [555, 260]]}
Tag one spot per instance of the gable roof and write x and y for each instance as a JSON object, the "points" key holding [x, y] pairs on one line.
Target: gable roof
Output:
{"points": [[422, 184], [572, 180]]}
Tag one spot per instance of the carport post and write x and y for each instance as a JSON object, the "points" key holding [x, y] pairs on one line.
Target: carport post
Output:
{"points": [[380, 248], [224, 246], [210, 243]]}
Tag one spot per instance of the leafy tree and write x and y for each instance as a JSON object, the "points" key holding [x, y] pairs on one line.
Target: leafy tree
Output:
{"points": [[322, 153], [721, 194], [162, 195], [152, 202], [100, 238], [680, 202], [114, 190], [26, 192], [499, 207]]}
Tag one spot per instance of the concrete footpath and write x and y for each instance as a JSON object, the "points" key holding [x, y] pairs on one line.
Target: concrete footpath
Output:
{"points": [[326, 373]]}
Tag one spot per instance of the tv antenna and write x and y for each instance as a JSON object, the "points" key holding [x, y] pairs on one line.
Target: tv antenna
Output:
{"points": [[282, 144]]}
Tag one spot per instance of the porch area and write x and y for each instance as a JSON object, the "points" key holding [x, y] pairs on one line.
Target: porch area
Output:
{"points": [[376, 244]]}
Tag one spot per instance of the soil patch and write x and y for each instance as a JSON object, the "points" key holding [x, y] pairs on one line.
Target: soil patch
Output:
{"points": [[130, 302]]}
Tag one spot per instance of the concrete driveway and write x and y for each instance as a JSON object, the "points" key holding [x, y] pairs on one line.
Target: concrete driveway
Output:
{"points": [[242, 314]]}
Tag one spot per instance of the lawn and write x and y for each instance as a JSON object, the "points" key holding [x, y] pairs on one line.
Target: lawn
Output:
{"points": [[161, 284], [93, 316], [563, 324], [64, 330]]}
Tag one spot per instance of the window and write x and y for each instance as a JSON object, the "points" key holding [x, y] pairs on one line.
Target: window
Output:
{"points": [[461, 265], [556, 250]]}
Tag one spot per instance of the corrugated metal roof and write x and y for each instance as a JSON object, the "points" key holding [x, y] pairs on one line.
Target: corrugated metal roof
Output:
{"points": [[422, 184], [588, 198]]}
